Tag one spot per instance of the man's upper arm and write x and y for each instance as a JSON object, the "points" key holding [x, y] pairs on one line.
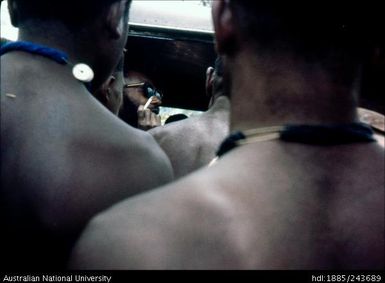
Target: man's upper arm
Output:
{"points": [[117, 239]]}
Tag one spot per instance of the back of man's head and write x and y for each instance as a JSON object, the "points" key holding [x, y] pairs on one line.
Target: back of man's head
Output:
{"points": [[311, 27], [70, 13]]}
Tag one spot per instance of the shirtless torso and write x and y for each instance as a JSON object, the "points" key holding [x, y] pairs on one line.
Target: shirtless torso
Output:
{"points": [[270, 204], [234, 221], [64, 158]]}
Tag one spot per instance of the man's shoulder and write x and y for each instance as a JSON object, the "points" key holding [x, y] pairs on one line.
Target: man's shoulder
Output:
{"points": [[162, 223], [108, 138], [182, 130], [176, 202]]}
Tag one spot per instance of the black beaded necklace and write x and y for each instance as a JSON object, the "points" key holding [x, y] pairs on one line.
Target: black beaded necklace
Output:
{"points": [[323, 135]]}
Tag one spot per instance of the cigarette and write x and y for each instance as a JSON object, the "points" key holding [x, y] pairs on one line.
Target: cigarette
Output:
{"points": [[148, 103], [133, 85]]}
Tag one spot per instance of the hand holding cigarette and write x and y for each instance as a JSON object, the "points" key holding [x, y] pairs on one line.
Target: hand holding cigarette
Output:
{"points": [[146, 118]]}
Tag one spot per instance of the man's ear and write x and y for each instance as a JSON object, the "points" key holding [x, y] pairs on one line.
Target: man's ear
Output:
{"points": [[224, 25], [108, 86], [209, 81], [111, 81], [12, 8], [115, 19]]}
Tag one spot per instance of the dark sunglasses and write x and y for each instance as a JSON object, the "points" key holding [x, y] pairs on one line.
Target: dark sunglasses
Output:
{"points": [[148, 89]]}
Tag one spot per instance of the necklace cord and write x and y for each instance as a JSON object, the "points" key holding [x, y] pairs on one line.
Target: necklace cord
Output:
{"points": [[322, 135]]}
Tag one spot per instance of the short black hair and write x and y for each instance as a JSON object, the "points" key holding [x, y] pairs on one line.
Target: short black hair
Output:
{"points": [[175, 118], [311, 25], [73, 15]]}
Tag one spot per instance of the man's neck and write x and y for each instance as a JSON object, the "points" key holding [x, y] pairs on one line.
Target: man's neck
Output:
{"points": [[41, 75], [272, 91], [55, 75], [57, 36], [220, 104]]}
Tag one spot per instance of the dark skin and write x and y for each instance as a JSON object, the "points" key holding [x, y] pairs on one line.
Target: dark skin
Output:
{"points": [[264, 205], [135, 100], [64, 156], [135, 94], [111, 92], [192, 143]]}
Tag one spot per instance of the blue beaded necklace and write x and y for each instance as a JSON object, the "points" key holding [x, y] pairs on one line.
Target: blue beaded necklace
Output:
{"points": [[33, 48], [80, 71]]}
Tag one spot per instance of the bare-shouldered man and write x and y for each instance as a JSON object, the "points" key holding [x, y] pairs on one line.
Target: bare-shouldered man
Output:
{"points": [[110, 94], [64, 156], [191, 144], [305, 196]]}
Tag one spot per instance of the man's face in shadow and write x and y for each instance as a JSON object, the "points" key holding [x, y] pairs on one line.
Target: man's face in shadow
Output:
{"points": [[137, 94]]}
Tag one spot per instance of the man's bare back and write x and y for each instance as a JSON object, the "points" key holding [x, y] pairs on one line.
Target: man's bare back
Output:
{"points": [[64, 159], [247, 223]]}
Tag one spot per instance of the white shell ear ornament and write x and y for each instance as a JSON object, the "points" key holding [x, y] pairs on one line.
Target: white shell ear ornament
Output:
{"points": [[82, 72]]}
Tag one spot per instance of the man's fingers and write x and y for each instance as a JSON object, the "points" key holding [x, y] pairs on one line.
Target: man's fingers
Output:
{"points": [[147, 119], [141, 111], [147, 114], [156, 120]]}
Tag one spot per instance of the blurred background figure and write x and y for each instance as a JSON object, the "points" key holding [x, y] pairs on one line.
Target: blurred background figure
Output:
{"points": [[138, 90], [192, 143]]}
